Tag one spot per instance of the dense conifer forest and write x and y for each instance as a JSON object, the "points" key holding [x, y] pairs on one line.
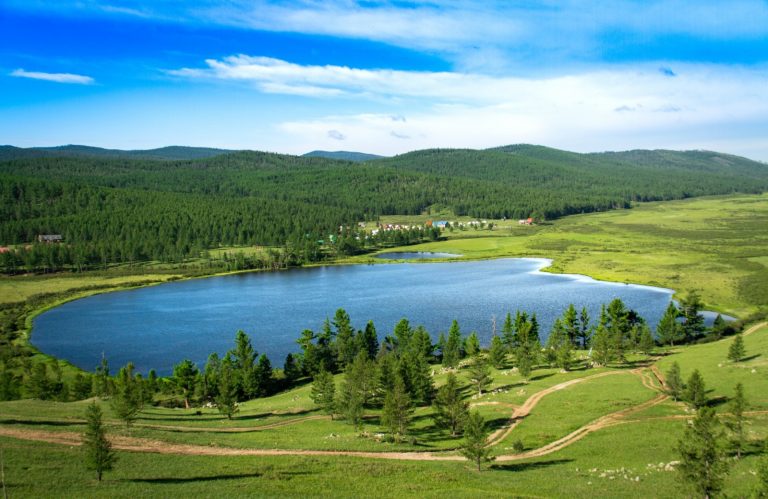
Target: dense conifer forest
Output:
{"points": [[125, 209]]}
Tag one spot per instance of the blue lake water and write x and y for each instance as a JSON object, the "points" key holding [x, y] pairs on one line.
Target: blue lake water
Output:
{"points": [[156, 327]]}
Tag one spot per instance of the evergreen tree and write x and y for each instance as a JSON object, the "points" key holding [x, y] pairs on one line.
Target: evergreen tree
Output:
{"points": [[556, 337], [346, 346], [290, 369], [350, 402], [226, 398], [82, 386], [472, 345], [370, 340], [127, 399], [185, 375], [421, 344], [695, 391], [475, 446], [674, 382], [693, 323], [403, 334], [263, 376], [362, 375], [602, 346], [702, 460], [645, 342], [480, 375], [101, 378], [736, 351], [669, 330], [244, 357], [534, 337], [10, 386], [415, 372], [508, 333], [736, 420], [619, 328], [497, 353], [210, 380], [584, 330], [452, 350], [450, 409], [99, 456], [571, 324], [398, 410], [323, 392], [440, 345], [38, 384], [564, 357], [525, 354], [719, 325]]}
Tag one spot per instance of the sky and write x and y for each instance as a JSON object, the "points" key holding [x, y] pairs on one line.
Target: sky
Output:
{"points": [[386, 77]]}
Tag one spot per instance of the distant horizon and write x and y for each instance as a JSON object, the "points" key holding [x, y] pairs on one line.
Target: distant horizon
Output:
{"points": [[386, 77], [373, 154]]}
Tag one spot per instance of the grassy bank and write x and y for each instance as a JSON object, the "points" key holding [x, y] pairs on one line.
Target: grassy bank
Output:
{"points": [[628, 459], [717, 245]]}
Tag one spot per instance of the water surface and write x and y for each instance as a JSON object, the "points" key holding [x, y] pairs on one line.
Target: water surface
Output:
{"points": [[156, 327]]}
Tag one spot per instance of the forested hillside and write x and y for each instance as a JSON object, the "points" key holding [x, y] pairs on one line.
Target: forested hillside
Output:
{"points": [[123, 209], [166, 153], [343, 155]]}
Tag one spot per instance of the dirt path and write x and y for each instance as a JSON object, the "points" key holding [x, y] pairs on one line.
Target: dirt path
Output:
{"points": [[242, 429], [754, 328], [620, 417], [190, 429], [525, 409]]}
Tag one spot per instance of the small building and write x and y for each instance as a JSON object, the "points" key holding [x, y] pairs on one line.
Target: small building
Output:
{"points": [[440, 224], [525, 221], [49, 238]]}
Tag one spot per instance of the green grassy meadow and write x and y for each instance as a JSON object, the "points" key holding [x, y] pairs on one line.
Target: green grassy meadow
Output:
{"points": [[718, 246], [629, 459]]}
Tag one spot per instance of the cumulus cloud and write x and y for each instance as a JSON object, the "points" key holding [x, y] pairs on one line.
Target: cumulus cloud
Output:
{"points": [[488, 34], [615, 108], [55, 77]]}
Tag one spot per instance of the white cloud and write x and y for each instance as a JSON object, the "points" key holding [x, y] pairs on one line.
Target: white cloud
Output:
{"points": [[605, 109], [55, 77], [473, 34]]}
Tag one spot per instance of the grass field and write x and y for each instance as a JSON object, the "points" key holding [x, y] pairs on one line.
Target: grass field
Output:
{"points": [[717, 245], [630, 459]]}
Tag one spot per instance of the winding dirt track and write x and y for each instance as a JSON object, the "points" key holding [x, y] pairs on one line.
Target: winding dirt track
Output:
{"points": [[620, 417], [146, 445], [754, 328]]}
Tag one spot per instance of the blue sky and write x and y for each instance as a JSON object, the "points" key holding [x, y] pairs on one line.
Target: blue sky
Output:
{"points": [[386, 76]]}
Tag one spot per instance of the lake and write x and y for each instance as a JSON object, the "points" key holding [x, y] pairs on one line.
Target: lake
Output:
{"points": [[158, 326]]}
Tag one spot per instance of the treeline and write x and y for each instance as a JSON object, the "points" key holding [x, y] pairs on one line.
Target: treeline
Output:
{"points": [[394, 372], [123, 210]]}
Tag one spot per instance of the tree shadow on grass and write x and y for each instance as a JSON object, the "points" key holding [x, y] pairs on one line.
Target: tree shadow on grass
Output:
{"points": [[751, 357], [542, 376], [40, 423], [717, 401], [212, 478], [267, 414], [529, 466]]}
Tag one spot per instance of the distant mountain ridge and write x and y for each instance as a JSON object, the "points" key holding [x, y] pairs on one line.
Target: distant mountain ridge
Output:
{"points": [[343, 155], [162, 153]]}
